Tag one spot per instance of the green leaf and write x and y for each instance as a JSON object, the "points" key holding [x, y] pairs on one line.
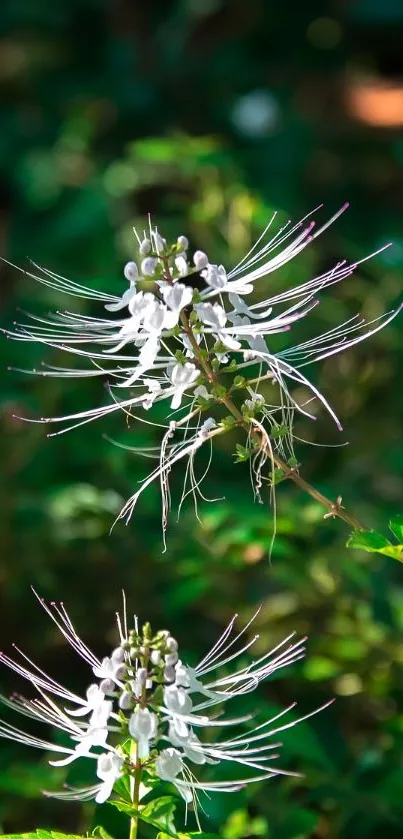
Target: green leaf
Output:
{"points": [[190, 836], [160, 813], [276, 476], [122, 806], [396, 526], [43, 834], [100, 833], [242, 453], [374, 542]]}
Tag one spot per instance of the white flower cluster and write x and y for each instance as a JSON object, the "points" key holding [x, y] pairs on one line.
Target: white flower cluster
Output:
{"points": [[147, 710], [188, 329]]}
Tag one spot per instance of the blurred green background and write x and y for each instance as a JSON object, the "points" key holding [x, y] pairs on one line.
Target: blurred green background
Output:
{"points": [[209, 114]]}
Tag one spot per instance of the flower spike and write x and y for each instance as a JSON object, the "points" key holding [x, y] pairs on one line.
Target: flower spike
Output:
{"points": [[208, 352]]}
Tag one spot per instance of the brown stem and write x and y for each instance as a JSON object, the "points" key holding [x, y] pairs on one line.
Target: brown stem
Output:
{"points": [[334, 508]]}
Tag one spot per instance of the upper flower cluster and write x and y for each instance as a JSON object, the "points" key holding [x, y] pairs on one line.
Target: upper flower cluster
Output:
{"points": [[188, 331], [145, 712]]}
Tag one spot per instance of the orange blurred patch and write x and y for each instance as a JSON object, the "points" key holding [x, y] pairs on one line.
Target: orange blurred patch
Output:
{"points": [[378, 104]]}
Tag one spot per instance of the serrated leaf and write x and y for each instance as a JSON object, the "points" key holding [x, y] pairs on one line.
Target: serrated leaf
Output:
{"points": [[368, 540], [374, 542], [122, 806], [160, 813]]}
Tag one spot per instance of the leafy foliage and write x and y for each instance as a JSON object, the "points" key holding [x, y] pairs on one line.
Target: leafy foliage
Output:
{"points": [[374, 542]]}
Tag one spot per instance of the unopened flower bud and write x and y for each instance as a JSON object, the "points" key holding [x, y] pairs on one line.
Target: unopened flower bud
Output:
{"points": [[171, 659], [120, 672], [140, 680], [181, 265], [160, 243], [141, 674], [131, 272], [133, 652], [125, 700], [155, 657], [183, 242], [172, 644], [145, 247], [118, 655], [169, 673], [148, 266], [107, 686], [200, 259]]}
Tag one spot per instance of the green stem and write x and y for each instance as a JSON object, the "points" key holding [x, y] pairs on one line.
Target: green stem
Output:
{"points": [[135, 790]]}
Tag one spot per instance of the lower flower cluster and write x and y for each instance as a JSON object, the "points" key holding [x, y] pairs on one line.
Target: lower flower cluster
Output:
{"points": [[146, 713]]}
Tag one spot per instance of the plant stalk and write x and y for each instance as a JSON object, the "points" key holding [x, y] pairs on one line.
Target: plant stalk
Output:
{"points": [[334, 508], [135, 790]]}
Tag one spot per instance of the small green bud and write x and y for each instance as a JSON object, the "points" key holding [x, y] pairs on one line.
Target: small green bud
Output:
{"points": [[219, 391], [147, 634], [279, 431], [241, 453], [220, 348], [228, 422], [204, 404], [276, 476], [247, 414], [240, 381]]}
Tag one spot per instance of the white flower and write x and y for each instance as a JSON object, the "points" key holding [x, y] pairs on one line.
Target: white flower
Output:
{"points": [[109, 770], [212, 315], [189, 743], [131, 273], [168, 766], [110, 669], [256, 401], [182, 376], [178, 704], [215, 276], [215, 316], [143, 726], [206, 427], [202, 391], [153, 390], [182, 266], [177, 296], [214, 325], [95, 700], [86, 737]]}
